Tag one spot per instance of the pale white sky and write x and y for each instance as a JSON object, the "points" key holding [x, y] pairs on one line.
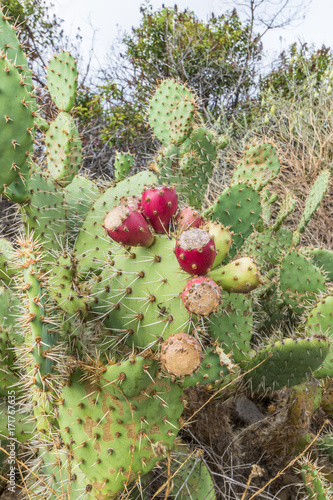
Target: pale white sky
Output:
{"points": [[106, 15]]}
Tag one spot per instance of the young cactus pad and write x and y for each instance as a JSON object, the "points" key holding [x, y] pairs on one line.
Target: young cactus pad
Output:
{"points": [[62, 79], [171, 112], [259, 166]]}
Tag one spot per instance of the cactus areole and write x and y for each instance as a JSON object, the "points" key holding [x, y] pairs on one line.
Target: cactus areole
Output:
{"points": [[127, 226], [195, 251], [181, 355], [201, 296], [159, 204]]}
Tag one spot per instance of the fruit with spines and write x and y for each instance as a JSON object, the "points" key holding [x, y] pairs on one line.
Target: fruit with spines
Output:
{"points": [[159, 204], [92, 248], [128, 227], [181, 355], [222, 239], [188, 218], [201, 296], [195, 251], [239, 276]]}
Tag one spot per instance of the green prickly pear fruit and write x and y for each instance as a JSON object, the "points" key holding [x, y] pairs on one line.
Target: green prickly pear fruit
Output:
{"points": [[222, 239], [239, 276]]}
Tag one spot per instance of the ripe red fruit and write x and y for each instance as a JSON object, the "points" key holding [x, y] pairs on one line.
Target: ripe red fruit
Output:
{"points": [[159, 204], [201, 296], [195, 251], [127, 226], [188, 218]]}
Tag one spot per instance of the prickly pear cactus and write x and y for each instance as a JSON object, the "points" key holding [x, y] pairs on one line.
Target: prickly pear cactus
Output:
{"points": [[106, 322]]}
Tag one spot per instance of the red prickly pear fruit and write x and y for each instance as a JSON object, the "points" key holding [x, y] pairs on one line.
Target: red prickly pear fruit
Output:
{"points": [[127, 226], [131, 202], [239, 276], [159, 204], [188, 218], [195, 251], [181, 355], [222, 239], [201, 296]]}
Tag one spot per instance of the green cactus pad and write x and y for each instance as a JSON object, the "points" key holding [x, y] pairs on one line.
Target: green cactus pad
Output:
{"points": [[193, 480], [62, 79], [79, 196], [7, 267], [322, 258], [239, 209], [116, 436], [316, 195], [61, 473], [214, 367], [123, 163], [267, 247], [286, 362], [320, 321], [16, 123], [11, 48], [45, 211], [171, 112], [139, 295], [93, 245], [300, 281], [63, 283], [259, 166], [17, 191], [287, 206], [63, 149], [232, 325], [196, 163], [314, 481]]}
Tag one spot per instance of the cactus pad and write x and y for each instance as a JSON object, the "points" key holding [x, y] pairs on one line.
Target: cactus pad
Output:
{"points": [[16, 123], [239, 209], [316, 194], [139, 295], [300, 281], [286, 362], [63, 149], [171, 112], [114, 436], [259, 166], [62, 80], [232, 325]]}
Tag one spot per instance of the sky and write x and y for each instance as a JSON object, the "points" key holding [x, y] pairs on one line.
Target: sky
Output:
{"points": [[105, 17]]}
